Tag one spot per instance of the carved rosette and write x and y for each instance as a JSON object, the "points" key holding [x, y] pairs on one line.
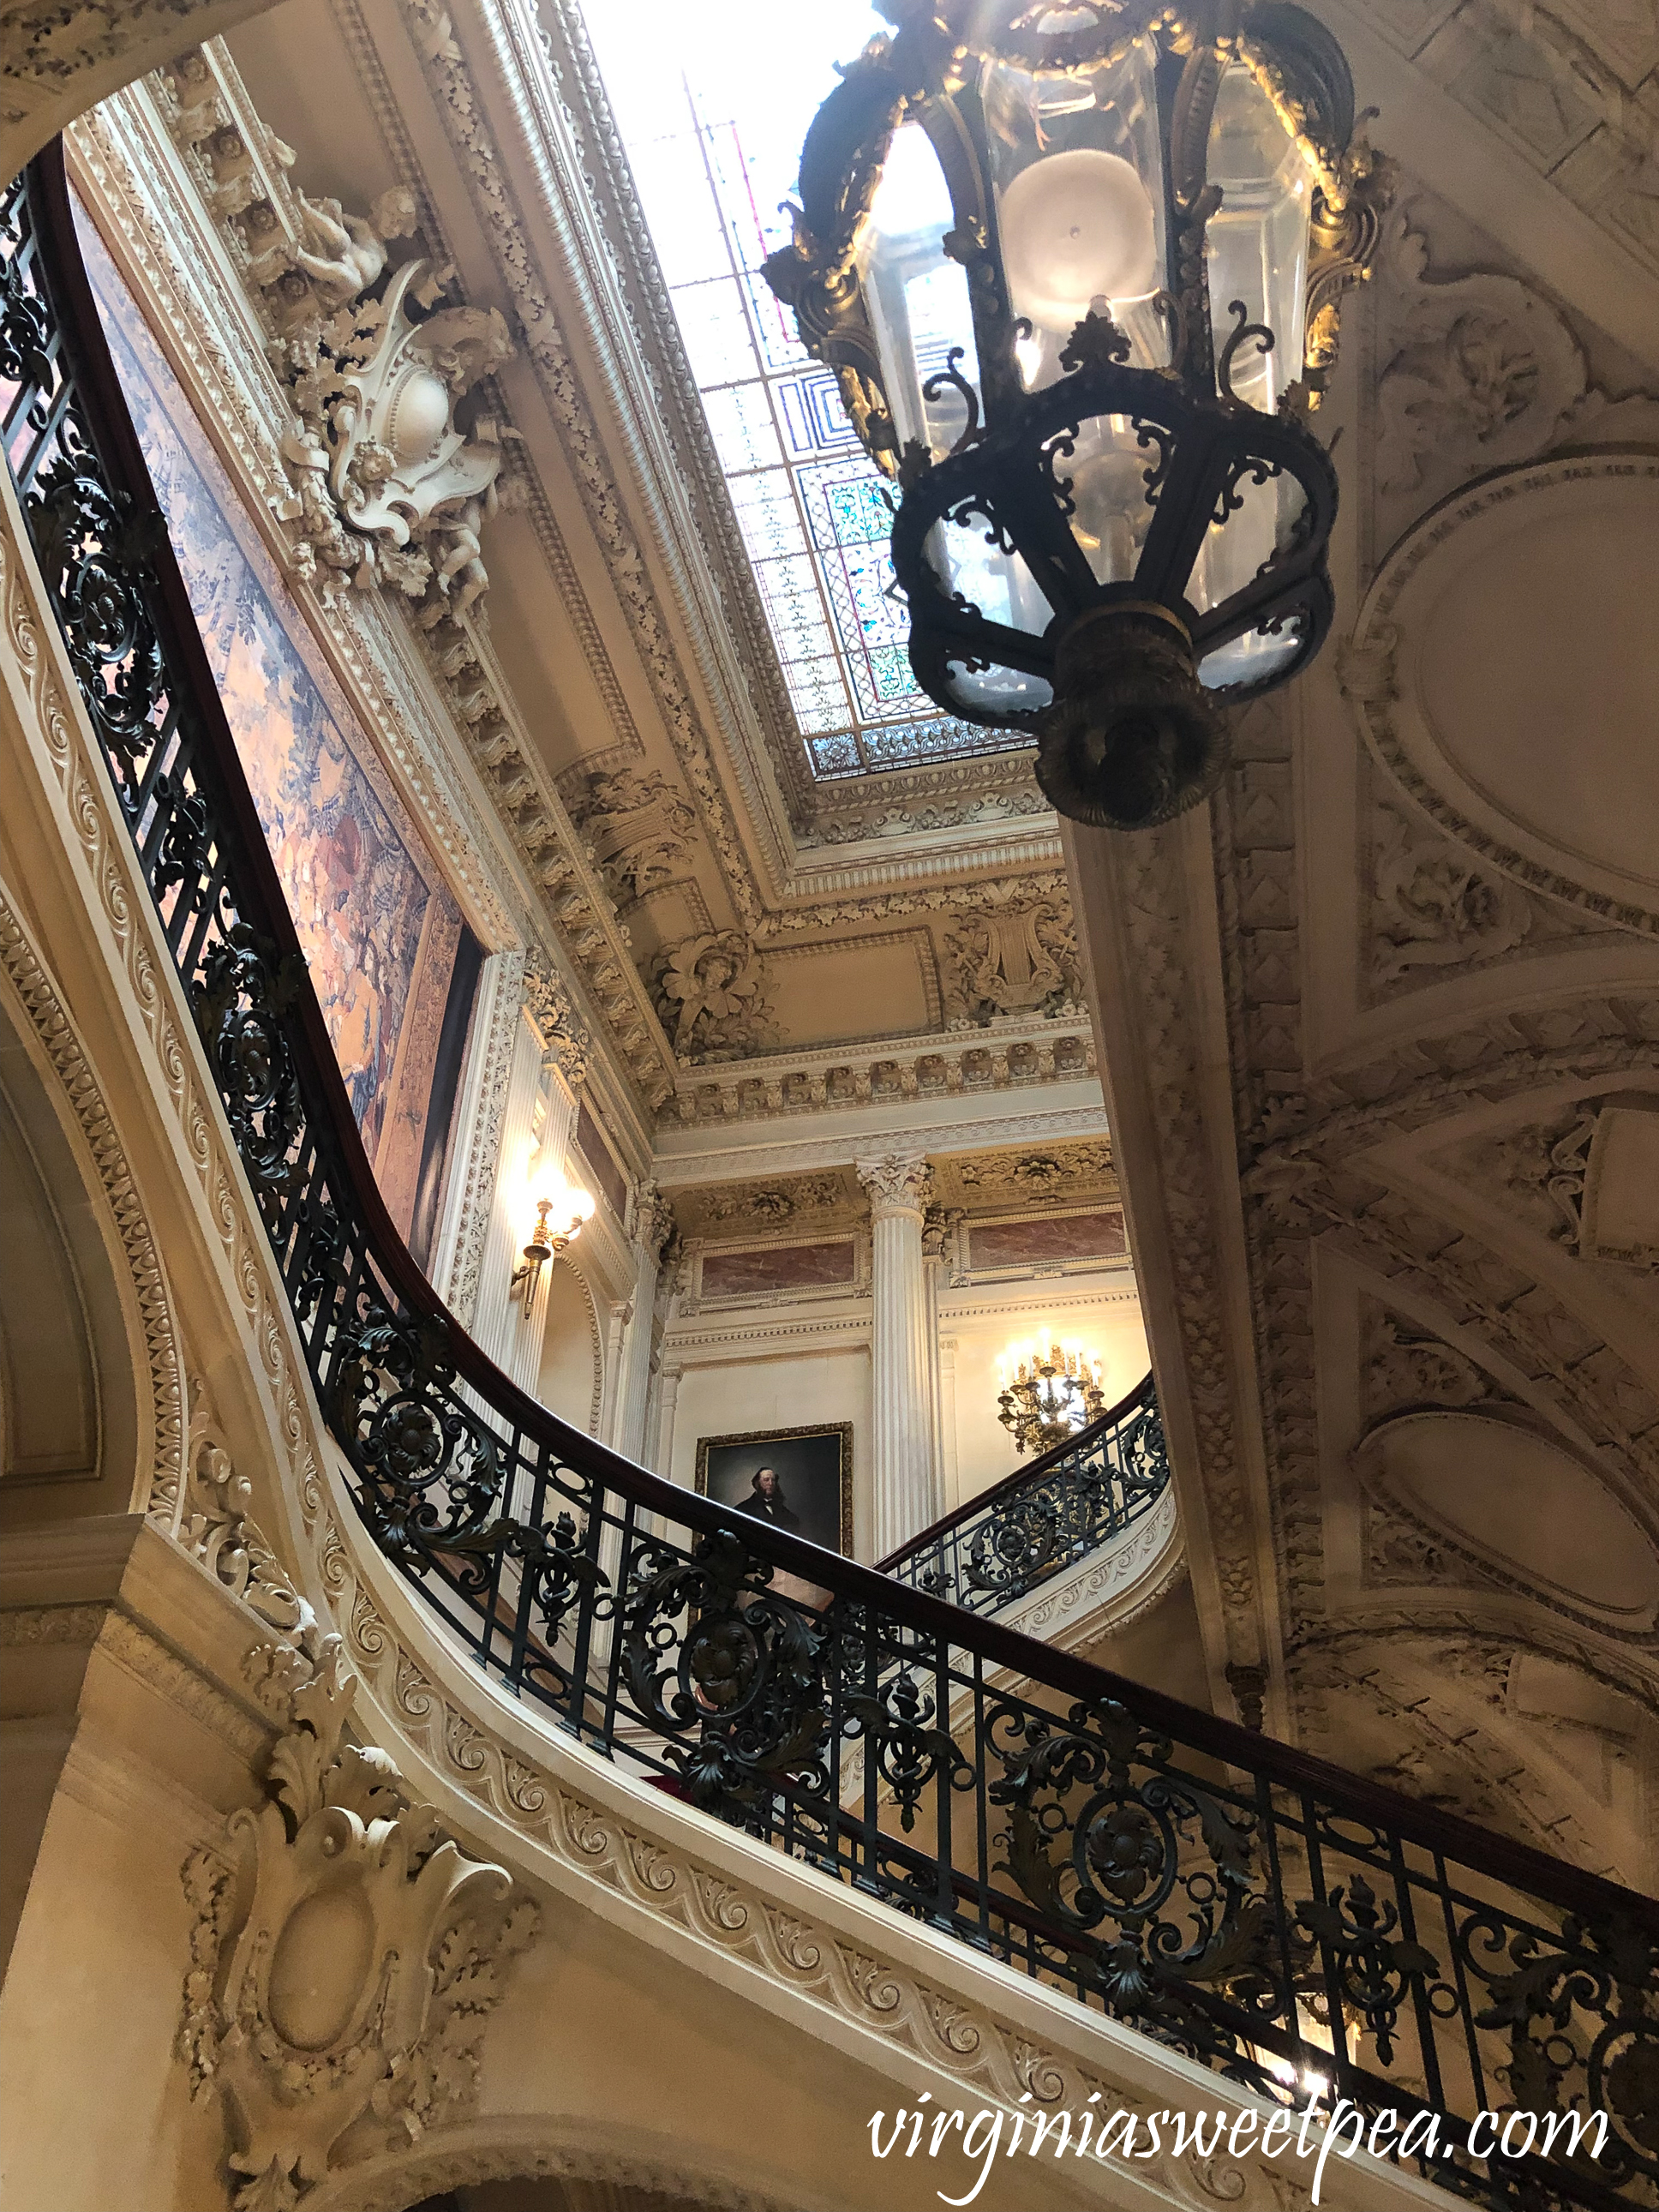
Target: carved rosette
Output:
{"points": [[344, 1958]]}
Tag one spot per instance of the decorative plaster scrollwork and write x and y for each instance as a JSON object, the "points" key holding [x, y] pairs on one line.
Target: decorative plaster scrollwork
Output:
{"points": [[1481, 372], [388, 487], [1402, 1365], [344, 1957], [1013, 956], [637, 825], [217, 1526], [1586, 1177], [1434, 907]]}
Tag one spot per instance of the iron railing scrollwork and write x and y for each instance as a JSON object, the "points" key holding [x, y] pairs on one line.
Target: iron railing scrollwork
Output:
{"points": [[1240, 1902], [1048, 1515]]}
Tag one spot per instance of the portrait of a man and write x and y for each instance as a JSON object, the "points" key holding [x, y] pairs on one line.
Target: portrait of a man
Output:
{"points": [[798, 1480]]}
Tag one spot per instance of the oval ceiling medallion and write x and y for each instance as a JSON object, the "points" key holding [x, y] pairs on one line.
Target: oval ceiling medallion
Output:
{"points": [[1506, 668], [1523, 1504]]}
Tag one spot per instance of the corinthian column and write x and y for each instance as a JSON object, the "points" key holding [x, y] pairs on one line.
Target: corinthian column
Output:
{"points": [[904, 1455]]}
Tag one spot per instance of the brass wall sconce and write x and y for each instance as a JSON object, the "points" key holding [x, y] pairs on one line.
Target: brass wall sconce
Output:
{"points": [[559, 1219]]}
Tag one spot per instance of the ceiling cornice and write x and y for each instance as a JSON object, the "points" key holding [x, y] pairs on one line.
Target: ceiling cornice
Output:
{"points": [[532, 181]]}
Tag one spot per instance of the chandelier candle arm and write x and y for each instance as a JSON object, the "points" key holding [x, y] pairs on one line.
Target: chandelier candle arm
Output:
{"points": [[1078, 272]]}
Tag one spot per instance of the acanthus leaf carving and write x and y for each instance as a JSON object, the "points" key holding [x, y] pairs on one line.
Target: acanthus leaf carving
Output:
{"points": [[388, 487], [637, 825], [1433, 906], [898, 1182], [1479, 371], [563, 1036]]}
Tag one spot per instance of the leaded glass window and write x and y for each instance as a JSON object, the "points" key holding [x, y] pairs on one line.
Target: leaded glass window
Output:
{"points": [[712, 99]]}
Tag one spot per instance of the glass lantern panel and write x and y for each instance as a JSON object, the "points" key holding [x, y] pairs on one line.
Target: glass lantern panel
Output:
{"points": [[998, 585], [917, 296], [1106, 476], [1077, 174], [1251, 658], [1259, 529], [995, 689], [1258, 238]]}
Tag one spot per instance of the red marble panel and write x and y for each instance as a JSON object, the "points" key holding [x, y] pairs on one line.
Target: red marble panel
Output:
{"points": [[776, 1268], [1047, 1237]]}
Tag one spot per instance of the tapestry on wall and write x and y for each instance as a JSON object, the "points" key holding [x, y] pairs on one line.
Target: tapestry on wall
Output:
{"points": [[391, 959]]}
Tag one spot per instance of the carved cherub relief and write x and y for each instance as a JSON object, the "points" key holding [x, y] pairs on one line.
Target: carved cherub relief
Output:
{"points": [[711, 993]]}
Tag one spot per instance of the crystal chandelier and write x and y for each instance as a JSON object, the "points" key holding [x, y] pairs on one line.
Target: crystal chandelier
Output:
{"points": [[1050, 1396], [1076, 268]]}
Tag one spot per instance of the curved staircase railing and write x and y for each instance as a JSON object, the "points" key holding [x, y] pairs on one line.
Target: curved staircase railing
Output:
{"points": [[1240, 1902], [1046, 1516]]}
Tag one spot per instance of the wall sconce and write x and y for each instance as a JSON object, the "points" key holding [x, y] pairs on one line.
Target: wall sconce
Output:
{"points": [[1049, 1395], [559, 1219]]}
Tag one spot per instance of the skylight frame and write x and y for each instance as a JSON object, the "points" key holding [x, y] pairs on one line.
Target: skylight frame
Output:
{"points": [[856, 706]]}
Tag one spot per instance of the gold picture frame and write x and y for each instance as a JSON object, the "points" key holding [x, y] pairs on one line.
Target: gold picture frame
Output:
{"points": [[820, 1501]]}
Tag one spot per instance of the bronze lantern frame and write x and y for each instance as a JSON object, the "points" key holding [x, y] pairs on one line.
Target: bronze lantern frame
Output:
{"points": [[1129, 735]]}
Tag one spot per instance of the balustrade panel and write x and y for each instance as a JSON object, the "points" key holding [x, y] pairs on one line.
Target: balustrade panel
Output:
{"points": [[1240, 1903]]}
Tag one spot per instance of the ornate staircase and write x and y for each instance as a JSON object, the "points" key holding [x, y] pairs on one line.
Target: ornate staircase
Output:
{"points": [[1255, 1909]]}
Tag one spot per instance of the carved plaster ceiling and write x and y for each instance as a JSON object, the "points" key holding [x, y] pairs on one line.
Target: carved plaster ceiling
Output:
{"points": [[589, 619], [1383, 1042]]}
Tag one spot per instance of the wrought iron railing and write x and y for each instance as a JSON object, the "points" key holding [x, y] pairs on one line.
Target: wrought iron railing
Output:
{"points": [[1256, 1909], [1050, 1515]]}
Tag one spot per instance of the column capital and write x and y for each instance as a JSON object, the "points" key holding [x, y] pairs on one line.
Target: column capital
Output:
{"points": [[898, 1183], [653, 1221], [548, 1003]]}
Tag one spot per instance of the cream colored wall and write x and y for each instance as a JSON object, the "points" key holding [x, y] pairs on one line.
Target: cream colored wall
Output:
{"points": [[769, 1384], [568, 1381], [1108, 1323], [763, 1370]]}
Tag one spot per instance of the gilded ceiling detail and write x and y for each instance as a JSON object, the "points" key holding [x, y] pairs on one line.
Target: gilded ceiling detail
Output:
{"points": [[1051, 1174]]}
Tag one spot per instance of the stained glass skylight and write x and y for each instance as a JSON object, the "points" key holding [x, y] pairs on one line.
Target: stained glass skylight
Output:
{"points": [[712, 99]]}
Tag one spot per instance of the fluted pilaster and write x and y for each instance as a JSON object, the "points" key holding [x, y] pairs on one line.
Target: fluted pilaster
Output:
{"points": [[653, 1226], [904, 1455]]}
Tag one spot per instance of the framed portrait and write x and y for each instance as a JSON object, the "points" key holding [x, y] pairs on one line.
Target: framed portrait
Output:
{"points": [[810, 1492]]}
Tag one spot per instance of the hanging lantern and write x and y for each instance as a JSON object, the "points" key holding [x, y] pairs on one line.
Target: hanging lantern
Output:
{"points": [[1076, 270]]}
